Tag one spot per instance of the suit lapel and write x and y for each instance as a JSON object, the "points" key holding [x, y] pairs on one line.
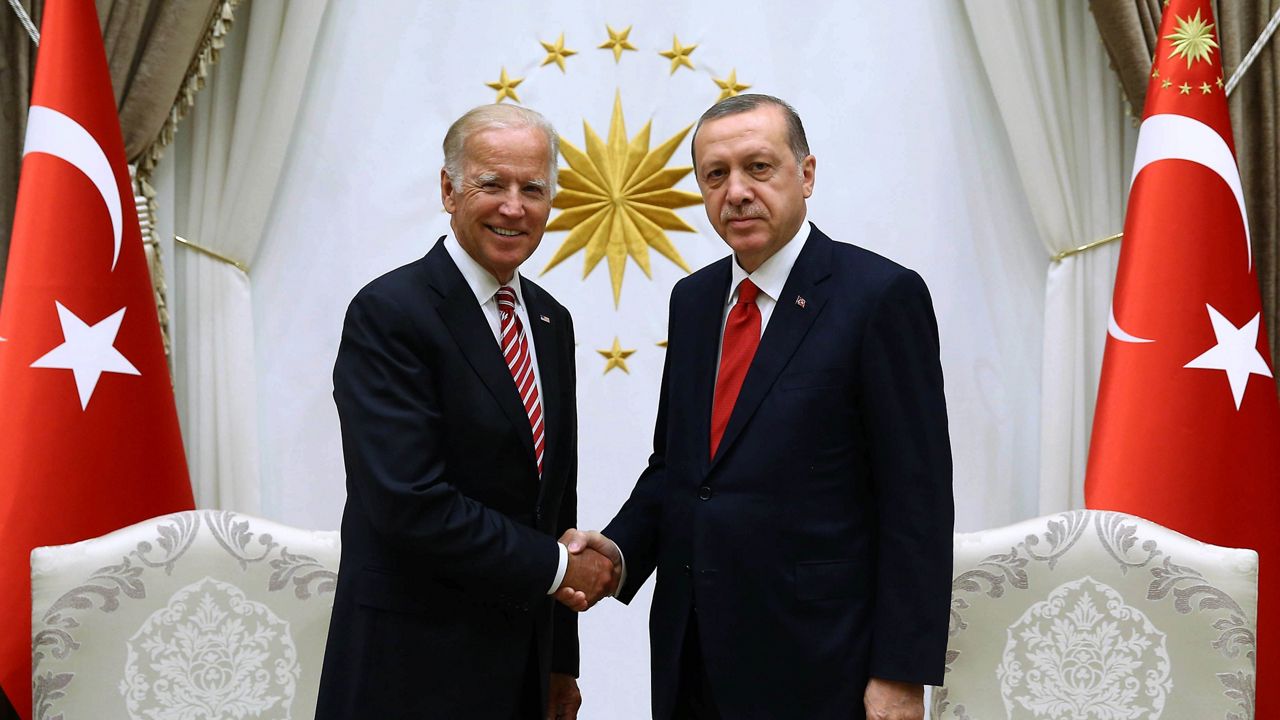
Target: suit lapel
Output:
{"points": [[801, 301], [546, 341], [470, 329], [705, 327]]}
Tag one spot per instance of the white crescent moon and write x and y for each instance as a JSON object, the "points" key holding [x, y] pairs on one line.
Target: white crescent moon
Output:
{"points": [[52, 133], [1178, 137]]}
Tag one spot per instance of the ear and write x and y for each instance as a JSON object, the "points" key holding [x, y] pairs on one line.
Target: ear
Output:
{"points": [[446, 192], [806, 174]]}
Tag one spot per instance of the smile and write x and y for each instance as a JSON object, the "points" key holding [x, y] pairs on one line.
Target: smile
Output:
{"points": [[505, 232]]}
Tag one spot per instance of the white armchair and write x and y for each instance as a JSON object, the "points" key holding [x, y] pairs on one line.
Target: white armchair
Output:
{"points": [[1098, 616], [191, 616]]}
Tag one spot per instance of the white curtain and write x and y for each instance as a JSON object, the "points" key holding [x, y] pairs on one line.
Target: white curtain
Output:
{"points": [[1064, 114], [226, 164]]}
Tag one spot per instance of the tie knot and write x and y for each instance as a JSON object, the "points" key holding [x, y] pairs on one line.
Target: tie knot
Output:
{"points": [[506, 298], [747, 291]]}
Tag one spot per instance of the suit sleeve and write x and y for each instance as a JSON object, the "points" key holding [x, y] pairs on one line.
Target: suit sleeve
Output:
{"points": [[393, 434], [635, 528], [906, 416], [564, 643]]}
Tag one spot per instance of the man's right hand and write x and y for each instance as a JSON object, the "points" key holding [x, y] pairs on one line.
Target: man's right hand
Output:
{"points": [[589, 577]]}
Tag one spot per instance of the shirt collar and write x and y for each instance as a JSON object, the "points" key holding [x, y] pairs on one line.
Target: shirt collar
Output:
{"points": [[772, 274], [483, 284]]}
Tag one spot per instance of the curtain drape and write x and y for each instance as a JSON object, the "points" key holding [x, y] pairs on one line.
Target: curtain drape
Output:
{"points": [[1065, 119], [227, 165], [1129, 29], [149, 46]]}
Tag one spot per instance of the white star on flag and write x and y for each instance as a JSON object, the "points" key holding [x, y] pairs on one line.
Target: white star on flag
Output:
{"points": [[87, 351], [1236, 353]]}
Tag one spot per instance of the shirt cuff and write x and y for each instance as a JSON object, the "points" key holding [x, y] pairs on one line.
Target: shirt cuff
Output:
{"points": [[622, 575], [560, 569]]}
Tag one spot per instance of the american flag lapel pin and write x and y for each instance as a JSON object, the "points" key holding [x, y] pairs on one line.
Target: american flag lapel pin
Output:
{"points": [[800, 302], [545, 319]]}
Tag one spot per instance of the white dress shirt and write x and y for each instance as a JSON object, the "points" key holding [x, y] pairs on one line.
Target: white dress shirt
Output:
{"points": [[485, 287], [770, 277]]}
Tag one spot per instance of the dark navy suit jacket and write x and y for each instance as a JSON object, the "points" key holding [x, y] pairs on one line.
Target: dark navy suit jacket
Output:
{"points": [[815, 547], [448, 535]]}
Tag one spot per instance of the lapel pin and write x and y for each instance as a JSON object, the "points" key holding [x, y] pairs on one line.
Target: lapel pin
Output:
{"points": [[545, 319], [800, 301]]}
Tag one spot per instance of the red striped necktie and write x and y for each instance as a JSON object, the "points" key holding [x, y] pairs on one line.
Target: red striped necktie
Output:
{"points": [[515, 348], [741, 337]]}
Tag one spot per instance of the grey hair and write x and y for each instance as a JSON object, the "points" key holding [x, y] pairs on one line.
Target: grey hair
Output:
{"points": [[497, 117], [746, 103]]}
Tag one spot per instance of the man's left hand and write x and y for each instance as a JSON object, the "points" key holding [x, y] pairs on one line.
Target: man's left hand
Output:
{"points": [[565, 699], [893, 700]]}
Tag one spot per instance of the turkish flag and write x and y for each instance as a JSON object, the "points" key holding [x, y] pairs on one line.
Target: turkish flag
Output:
{"points": [[1187, 428], [89, 438]]}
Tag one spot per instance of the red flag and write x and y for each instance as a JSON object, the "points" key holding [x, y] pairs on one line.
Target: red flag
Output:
{"points": [[89, 438], [1188, 424]]}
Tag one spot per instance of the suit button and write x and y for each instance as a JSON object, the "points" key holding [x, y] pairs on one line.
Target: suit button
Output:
{"points": [[704, 492], [688, 570]]}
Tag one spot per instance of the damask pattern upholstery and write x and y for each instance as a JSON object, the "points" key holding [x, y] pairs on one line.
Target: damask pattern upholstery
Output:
{"points": [[1096, 615], [198, 615]]}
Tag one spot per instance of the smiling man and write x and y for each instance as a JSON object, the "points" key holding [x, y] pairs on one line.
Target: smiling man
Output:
{"points": [[797, 506], [455, 390]]}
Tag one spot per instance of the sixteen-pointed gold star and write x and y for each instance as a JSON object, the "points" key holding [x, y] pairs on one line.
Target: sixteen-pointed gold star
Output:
{"points": [[618, 199], [729, 86], [557, 52], [1193, 40], [617, 42], [506, 86], [616, 357], [678, 54]]}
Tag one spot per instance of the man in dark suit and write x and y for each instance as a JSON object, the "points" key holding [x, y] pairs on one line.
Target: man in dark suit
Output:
{"points": [[797, 507], [455, 389]]}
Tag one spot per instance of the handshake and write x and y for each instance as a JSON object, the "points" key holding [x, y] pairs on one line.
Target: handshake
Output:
{"points": [[594, 572]]}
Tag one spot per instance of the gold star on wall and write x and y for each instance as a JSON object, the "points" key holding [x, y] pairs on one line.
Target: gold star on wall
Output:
{"points": [[617, 42], [1184, 89], [616, 357], [506, 86], [1205, 88], [678, 54], [556, 53], [662, 344], [618, 199], [1193, 40], [729, 86]]}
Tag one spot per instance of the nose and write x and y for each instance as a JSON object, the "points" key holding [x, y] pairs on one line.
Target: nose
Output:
{"points": [[512, 204], [738, 189]]}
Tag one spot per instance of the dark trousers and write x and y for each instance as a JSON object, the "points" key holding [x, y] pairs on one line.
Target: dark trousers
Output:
{"points": [[529, 707], [694, 700]]}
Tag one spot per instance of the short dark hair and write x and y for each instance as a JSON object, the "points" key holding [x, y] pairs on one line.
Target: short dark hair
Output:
{"points": [[746, 103]]}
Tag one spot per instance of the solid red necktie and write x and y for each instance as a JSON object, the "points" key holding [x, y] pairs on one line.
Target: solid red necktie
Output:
{"points": [[741, 337], [515, 349]]}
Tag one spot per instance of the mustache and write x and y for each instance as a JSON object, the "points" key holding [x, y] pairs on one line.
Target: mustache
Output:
{"points": [[743, 212]]}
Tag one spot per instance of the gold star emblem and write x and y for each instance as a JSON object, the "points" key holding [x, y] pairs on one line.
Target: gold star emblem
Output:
{"points": [[1155, 73], [617, 42], [616, 357], [556, 53], [678, 54], [1193, 40], [1184, 89], [1219, 82], [662, 344], [1166, 83], [729, 86], [1205, 88], [506, 86], [618, 199]]}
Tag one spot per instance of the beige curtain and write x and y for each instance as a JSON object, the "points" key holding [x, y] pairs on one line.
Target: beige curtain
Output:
{"points": [[150, 45], [1129, 29]]}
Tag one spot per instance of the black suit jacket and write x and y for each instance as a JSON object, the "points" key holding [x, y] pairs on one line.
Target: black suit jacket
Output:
{"points": [[448, 536], [816, 544]]}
